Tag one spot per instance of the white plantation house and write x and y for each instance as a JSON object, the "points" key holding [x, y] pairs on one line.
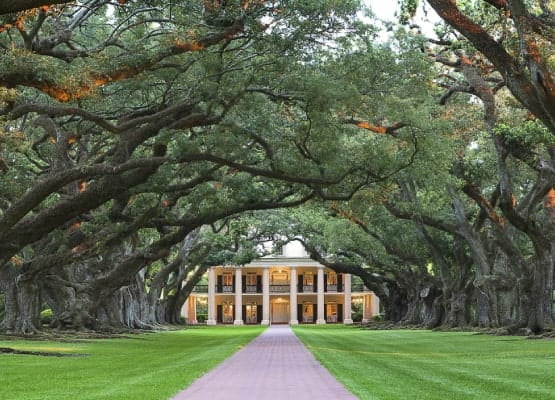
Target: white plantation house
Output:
{"points": [[289, 288]]}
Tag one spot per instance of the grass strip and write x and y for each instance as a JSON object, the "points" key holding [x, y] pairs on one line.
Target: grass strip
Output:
{"points": [[418, 364], [146, 366]]}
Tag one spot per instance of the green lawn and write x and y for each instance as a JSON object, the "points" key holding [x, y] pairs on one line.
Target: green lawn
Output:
{"points": [[147, 366], [414, 365]]}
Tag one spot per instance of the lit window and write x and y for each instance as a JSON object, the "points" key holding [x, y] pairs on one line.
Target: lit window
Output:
{"points": [[280, 277], [227, 279], [251, 279]]}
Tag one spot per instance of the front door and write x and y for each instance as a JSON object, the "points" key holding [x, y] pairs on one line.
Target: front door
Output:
{"points": [[227, 312], [251, 317], [280, 313], [308, 312], [331, 312]]}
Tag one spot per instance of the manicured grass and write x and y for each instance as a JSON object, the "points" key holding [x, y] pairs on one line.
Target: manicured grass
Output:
{"points": [[142, 367], [414, 365]]}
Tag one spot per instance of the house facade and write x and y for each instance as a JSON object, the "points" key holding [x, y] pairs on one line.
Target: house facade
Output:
{"points": [[286, 289]]}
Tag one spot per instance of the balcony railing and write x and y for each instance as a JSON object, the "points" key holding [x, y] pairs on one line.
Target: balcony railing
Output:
{"points": [[251, 289], [355, 287], [332, 288], [225, 289], [279, 288]]}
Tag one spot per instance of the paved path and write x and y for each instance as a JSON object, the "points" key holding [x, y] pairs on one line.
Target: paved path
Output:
{"points": [[274, 366]]}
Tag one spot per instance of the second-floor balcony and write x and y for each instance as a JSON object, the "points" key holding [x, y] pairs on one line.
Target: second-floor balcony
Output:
{"points": [[227, 289], [251, 289], [338, 287], [307, 289], [283, 288], [230, 289]]}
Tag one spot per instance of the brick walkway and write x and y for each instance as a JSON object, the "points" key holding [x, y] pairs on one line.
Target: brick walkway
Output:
{"points": [[274, 366]]}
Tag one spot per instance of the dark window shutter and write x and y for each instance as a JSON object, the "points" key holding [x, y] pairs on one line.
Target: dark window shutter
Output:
{"points": [[325, 282], [219, 314], [314, 312], [259, 313], [300, 283], [233, 283], [325, 311], [244, 314], [300, 312], [315, 287], [243, 284], [340, 282], [340, 313], [259, 285], [219, 284]]}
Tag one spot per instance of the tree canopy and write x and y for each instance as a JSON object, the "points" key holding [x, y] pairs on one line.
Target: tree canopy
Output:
{"points": [[143, 141]]}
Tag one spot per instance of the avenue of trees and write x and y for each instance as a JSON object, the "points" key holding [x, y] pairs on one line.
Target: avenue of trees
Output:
{"points": [[143, 141]]}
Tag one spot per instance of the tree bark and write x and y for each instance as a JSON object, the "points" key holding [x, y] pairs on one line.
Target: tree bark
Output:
{"points": [[28, 301], [8, 288], [11, 6], [533, 88]]}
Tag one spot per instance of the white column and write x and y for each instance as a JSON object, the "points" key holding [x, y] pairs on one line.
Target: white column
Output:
{"points": [[211, 297], [294, 320], [238, 298], [347, 320], [265, 297], [320, 298]]}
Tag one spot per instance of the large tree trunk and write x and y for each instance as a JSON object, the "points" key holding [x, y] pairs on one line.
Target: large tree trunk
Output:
{"points": [[28, 302], [395, 304], [481, 261], [127, 307], [68, 296], [422, 307], [504, 284], [171, 277], [538, 289], [78, 316], [548, 287], [8, 288], [458, 310], [21, 302]]}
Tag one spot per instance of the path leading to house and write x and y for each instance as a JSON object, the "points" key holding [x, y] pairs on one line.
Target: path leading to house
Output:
{"points": [[274, 366]]}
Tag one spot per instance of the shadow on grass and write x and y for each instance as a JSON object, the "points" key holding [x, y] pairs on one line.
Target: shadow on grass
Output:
{"points": [[9, 350]]}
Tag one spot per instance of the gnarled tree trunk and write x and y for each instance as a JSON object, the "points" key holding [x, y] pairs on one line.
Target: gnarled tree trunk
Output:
{"points": [[8, 288]]}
